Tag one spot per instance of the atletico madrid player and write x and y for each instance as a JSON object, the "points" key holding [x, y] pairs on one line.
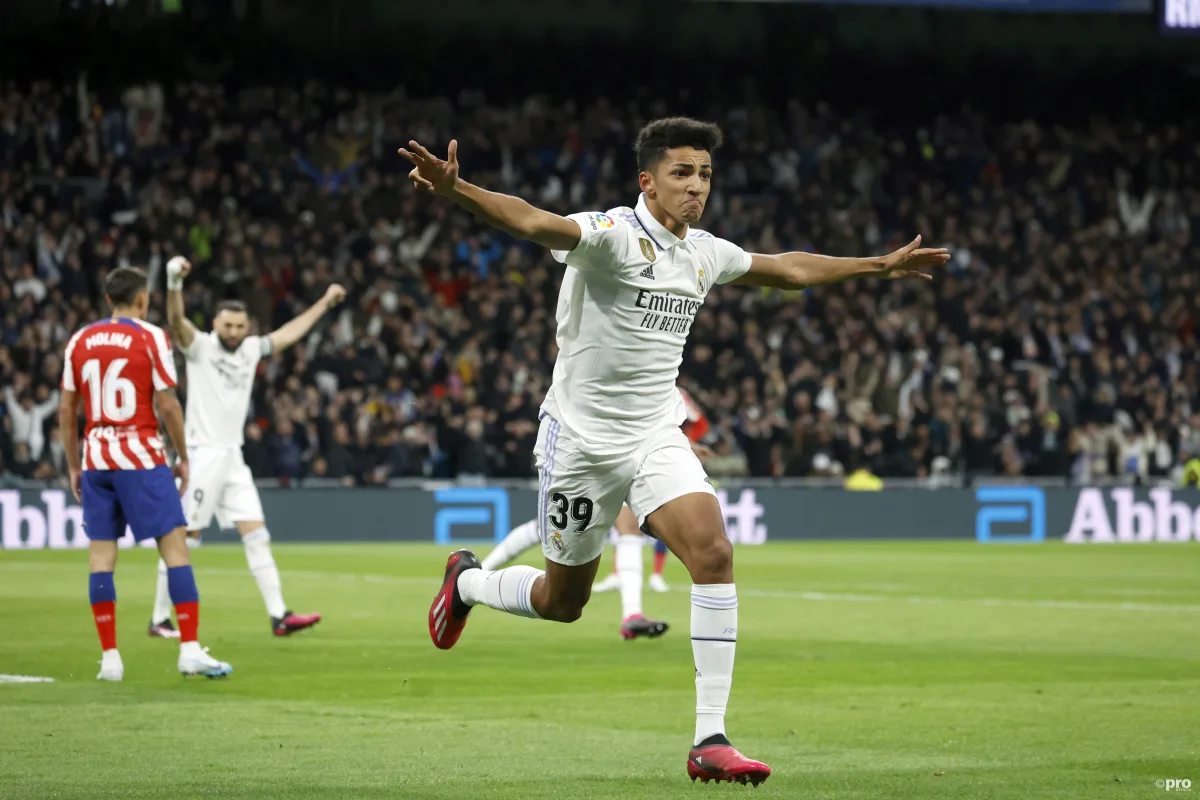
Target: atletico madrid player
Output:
{"points": [[118, 368]]}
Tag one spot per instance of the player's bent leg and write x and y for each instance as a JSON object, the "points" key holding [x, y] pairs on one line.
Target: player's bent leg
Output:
{"points": [[562, 591], [557, 594], [518, 540], [181, 583], [579, 498], [256, 540]]}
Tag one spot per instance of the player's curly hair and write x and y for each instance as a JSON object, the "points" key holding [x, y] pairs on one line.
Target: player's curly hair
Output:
{"points": [[654, 140], [124, 284]]}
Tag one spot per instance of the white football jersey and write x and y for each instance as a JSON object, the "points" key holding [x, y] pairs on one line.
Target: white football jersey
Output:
{"points": [[628, 299], [219, 384]]}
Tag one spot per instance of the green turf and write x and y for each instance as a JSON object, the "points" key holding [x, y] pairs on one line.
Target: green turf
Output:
{"points": [[896, 670]]}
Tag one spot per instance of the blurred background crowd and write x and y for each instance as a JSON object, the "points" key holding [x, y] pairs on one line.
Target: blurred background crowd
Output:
{"points": [[1061, 341]]}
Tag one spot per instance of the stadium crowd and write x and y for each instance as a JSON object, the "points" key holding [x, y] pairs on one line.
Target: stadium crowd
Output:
{"points": [[1061, 341]]}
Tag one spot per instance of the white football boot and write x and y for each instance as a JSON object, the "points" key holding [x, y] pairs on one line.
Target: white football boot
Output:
{"points": [[196, 661], [111, 667]]}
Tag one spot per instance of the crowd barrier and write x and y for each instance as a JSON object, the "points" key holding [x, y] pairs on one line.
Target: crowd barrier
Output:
{"points": [[754, 515]]}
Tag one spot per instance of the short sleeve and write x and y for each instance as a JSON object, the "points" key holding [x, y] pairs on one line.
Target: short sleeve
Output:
{"points": [[603, 243], [732, 262], [68, 376], [257, 347], [194, 350]]}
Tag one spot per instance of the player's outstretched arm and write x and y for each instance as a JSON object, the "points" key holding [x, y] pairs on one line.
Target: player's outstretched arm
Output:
{"points": [[296, 329], [170, 413], [801, 270], [182, 330], [68, 427], [507, 213]]}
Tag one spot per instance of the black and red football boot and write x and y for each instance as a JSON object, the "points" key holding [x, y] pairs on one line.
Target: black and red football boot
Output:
{"points": [[715, 759], [638, 625], [448, 614]]}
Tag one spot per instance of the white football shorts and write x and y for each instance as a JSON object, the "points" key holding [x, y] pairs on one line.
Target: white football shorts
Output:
{"points": [[220, 484], [580, 495]]}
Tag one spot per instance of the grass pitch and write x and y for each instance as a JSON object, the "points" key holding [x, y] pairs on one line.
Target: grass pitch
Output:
{"points": [[865, 670]]}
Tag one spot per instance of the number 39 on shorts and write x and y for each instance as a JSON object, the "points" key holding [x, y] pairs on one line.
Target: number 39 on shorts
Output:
{"points": [[580, 510]]}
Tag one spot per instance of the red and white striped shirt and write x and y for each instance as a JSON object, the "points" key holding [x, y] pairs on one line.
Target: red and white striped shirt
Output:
{"points": [[117, 365]]}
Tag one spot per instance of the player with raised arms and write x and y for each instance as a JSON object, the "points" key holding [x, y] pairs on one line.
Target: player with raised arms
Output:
{"points": [[610, 431], [118, 368], [220, 369]]}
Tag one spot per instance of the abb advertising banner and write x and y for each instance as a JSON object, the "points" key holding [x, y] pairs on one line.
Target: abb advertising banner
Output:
{"points": [[50, 518]]}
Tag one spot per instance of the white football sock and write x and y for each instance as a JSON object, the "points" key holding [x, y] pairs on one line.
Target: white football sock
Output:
{"points": [[629, 573], [262, 567], [190, 650], [162, 596], [714, 642], [519, 539], [509, 590]]}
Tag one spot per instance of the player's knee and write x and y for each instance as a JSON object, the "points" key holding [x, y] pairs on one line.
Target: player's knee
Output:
{"points": [[566, 607], [174, 548], [102, 556], [565, 611], [712, 561]]}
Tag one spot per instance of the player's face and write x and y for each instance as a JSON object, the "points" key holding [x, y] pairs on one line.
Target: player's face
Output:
{"points": [[680, 183], [231, 328]]}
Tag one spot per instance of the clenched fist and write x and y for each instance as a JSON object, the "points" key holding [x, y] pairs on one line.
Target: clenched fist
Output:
{"points": [[177, 269], [334, 295]]}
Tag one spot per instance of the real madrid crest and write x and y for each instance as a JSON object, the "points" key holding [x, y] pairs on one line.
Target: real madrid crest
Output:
{"points": [[701, 283], [647, 249]]}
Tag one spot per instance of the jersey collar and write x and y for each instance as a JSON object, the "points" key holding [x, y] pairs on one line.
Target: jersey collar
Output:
{"points": [[662, 237]]}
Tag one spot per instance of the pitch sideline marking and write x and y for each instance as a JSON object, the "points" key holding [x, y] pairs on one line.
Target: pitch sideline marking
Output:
{"points": [[24, 679], [825, 597]]}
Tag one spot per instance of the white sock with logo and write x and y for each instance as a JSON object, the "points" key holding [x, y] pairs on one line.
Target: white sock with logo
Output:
{"points": [[162, 596], [629, 574], [266, 574], [519, 539], [509, 590], [714, 642]]}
